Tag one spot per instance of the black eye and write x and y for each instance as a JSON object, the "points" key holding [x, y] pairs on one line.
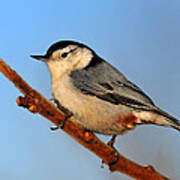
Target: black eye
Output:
{"points": [[64, 55]]}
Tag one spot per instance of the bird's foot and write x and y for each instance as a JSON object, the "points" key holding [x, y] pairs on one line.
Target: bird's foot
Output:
{"points": [[67, 113], [62, 122], [111, 144]]}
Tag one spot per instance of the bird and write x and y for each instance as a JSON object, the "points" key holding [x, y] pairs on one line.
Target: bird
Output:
{"points": [[99, 97]]}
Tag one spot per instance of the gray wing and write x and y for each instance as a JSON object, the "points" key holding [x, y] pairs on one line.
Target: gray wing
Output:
{"points": [[102, 80]]}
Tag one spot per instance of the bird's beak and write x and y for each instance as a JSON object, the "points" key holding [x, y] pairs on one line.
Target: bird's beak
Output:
{"points": [[39, 57]]}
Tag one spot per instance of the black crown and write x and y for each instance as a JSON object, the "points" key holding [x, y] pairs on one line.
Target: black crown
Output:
{"points": [[63, 44]]}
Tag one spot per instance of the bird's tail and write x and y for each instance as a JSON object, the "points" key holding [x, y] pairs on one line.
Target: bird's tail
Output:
{"points": [[169, 120], [158, 117]]}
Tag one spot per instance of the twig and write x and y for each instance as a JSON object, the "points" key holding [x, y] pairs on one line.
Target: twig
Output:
{"points": [[36, 103]]}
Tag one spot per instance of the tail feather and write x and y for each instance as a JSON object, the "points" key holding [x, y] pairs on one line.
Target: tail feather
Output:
{"points": [[158, 117], [170, 120]]}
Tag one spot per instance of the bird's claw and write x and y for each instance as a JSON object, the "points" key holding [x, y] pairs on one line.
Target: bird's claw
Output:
{"points": [[115, 160], [111, 144], [61, 123], [68, 114]]}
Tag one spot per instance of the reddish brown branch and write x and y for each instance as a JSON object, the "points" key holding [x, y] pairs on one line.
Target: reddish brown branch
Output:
{"points": [[36, 103]]}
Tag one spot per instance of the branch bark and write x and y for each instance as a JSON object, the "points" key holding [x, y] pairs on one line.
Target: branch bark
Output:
{"points": [[36, 103]]}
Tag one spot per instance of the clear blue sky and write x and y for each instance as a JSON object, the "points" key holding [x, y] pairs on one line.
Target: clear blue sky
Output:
{"points": [[140, 38]]}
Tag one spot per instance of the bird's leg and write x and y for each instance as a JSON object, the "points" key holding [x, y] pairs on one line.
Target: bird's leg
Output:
{"points": [[62, 123], [111, 144], [67, 113], [112, 141]]}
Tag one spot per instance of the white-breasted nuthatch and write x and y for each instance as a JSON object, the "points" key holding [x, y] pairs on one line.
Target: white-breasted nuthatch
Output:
{"points": [[100, 98]]}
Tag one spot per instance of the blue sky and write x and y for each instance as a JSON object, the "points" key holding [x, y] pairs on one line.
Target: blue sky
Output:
{"points": [[140, 38]]}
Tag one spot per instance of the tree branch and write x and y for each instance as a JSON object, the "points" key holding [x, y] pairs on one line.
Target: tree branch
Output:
{"points": [[36, 103]]}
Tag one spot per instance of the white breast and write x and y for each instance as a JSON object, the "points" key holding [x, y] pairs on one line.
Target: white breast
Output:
{"points": [[89, 111]]}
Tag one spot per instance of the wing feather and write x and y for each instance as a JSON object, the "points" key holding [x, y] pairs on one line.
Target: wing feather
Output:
{"points": [[102, 80]]}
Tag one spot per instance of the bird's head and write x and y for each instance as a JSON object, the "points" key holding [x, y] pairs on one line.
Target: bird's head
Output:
{"points": [[66, 56]]}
